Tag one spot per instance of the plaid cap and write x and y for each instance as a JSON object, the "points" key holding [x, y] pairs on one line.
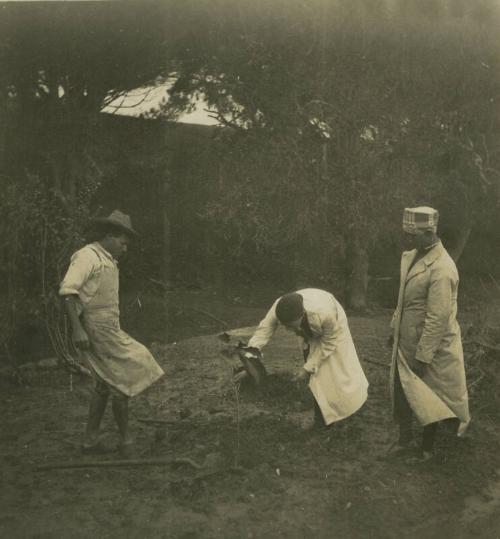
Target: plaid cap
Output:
{"points": [[420, 219]]}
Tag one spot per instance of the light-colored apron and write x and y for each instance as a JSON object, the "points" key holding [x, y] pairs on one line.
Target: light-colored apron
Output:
{"points": [[120, 361]]}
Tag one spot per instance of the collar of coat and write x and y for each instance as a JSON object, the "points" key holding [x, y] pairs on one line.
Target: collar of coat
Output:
{"points": [[425, 261], [105, 256], [314, 321]]}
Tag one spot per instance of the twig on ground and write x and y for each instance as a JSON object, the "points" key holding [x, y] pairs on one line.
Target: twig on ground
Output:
{"points": [[206, 313], [18, 377], [118, 463], [201, 311], [494, 281], [379, 363], [196, 420], [483, 343], [237, 470], [157, 421], [167, 422], [163, 285], [484, 287], [476, 381], [236, 386]]}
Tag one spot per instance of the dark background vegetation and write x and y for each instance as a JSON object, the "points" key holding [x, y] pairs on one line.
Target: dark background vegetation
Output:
{"points": [[334, 116]]}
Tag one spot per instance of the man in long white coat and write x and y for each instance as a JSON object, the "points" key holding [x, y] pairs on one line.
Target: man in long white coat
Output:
{"points": [[336, 378], [427, 371]]}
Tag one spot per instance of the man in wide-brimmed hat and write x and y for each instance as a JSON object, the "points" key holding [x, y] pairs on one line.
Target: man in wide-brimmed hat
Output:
{"points": [[122, 367], [427, 372]]}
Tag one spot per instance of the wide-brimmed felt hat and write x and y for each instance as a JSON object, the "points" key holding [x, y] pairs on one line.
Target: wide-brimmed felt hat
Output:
{"points": [[117, 219]]}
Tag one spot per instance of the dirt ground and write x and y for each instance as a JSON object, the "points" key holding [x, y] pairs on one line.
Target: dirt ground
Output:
{"points": [[257, 474]]}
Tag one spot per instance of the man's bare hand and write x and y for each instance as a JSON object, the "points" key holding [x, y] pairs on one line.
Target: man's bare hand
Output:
{"points": [[302, 376], [252, 353], [81, 339]]}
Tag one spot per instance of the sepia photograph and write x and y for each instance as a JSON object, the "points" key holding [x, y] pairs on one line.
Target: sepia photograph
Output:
{"points": [[250, 269]]}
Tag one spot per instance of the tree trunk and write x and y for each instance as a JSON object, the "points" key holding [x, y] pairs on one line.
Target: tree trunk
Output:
{"points": [[358, 279], [4, 126], [457, 248], [324, 162], [166, 236]]}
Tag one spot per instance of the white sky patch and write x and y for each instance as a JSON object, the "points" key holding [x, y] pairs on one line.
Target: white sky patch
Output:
{"points": [[141, 100], [324, 129], [369, 133]]}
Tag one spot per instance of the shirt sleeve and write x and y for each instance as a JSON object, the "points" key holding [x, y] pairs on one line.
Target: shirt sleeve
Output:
{"points": [[326, 348], [83, 264], [265, 330], [439, 306]]}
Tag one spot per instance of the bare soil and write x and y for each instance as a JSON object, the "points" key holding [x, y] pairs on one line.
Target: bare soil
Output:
{"points": [[261, 476]]}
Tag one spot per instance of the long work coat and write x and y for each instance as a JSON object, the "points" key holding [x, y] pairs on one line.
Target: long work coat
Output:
{"points": [[337, 382], [426, 329], [115, 358]]}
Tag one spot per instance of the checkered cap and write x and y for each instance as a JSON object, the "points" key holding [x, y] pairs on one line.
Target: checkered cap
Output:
{"points": [[420, 219]]}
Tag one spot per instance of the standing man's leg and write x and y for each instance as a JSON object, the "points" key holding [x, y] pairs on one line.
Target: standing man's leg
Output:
{"points": [[428, 438], [318, 415], [120, 413], [319, 421], [404, 417], [97, 408], [403, 413]]}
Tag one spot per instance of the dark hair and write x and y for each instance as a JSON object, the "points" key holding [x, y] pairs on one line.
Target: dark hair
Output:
{"points": [[289, 308]]}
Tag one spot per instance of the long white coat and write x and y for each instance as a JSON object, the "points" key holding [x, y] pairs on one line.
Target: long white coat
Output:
{"points": [[337, 382], [426, 329]]}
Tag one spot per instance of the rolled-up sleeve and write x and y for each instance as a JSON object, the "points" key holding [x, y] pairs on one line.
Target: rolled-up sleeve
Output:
{"points": [[82, 265]]}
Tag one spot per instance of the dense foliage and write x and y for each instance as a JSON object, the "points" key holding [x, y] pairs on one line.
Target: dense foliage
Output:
{"points": [[344, 113], [336, 115]]}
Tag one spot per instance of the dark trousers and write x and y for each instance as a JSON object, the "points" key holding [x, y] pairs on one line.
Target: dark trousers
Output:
{"points": [[318, 414], [404, 416]]}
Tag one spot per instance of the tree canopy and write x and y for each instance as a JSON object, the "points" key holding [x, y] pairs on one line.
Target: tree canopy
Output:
{"points": [[337, 113], [357, 109]]}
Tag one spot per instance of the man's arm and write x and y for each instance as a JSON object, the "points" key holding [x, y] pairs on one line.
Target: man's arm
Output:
{"points": [[438, 311], [80, 337], [327, 346], [265, 330], [83, 264]]}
